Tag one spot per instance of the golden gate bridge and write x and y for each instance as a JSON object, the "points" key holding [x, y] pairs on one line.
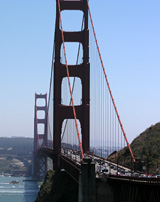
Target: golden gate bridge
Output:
{"points": [[81, 117]]}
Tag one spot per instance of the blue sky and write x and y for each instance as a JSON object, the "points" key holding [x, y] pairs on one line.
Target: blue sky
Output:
{"points": [[128, 33]]}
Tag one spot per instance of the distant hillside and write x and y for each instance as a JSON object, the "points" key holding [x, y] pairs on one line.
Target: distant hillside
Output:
{"points": [[16, 155], [146, 148], [16, 145]]}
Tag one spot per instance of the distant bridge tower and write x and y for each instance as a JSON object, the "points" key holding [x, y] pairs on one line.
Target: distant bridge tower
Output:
{"points": [[40, 140], [82, 71]]}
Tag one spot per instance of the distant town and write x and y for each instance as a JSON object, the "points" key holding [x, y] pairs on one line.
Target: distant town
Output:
{"points": [[16, 156]]}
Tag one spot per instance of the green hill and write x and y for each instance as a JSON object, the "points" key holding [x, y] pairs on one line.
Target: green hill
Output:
{"points": [[146, 149]]}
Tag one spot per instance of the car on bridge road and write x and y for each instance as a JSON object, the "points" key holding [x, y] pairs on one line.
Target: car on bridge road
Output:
{"points": [[105, 170]]}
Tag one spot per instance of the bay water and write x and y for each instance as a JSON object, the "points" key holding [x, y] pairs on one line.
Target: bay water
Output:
{"points": [[25, 191]]}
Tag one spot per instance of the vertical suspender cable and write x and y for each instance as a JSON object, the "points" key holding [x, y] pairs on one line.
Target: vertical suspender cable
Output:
{"points": [[108, 84], [109, 128], [50, 86]]}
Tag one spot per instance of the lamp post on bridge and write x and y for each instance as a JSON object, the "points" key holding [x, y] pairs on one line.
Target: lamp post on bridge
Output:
{"points": [[147, 163], [101, 159], [106, 152], [94, 151], [131, 165], [157, 169]]}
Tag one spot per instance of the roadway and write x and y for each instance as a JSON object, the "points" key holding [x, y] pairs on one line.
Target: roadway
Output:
{"points": [[101, 165]]}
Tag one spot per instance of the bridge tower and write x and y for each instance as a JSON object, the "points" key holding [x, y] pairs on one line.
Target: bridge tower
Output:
{"points": [[82, 71], [40, 140]]}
